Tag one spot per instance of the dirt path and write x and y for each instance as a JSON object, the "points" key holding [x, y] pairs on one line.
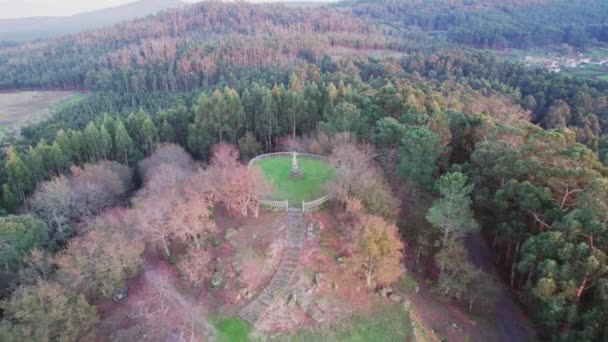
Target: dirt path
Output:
{"points": [[510, 319], [198, 324]]}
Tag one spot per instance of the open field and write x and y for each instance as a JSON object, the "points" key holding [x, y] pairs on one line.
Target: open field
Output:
{"points": [[20, 108], [599, 72], [308, 187], [390, 323], [589, 71]]}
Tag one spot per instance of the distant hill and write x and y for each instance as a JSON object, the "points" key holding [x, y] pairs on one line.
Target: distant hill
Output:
{"points": [[26, 29]]}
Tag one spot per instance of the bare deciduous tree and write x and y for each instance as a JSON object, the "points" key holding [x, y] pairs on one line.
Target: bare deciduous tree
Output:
{"points": [[358, 177], [98, 262], [196, 266], [170, 154]]}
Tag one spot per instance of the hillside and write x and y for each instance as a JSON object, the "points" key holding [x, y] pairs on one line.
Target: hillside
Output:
{"points": [[26, 29], [464, 197], [495, 23]]}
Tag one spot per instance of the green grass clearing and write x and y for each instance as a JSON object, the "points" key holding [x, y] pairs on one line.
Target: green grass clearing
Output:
{"points": [[308, 187], [232, 330], [391, 324]]}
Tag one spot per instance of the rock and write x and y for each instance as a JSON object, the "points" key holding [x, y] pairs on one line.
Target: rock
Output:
{"points": [[395, 298], [292, 300], [385, 292], [318, 279], [216, 280], [406, 304], [316, 313], [335, 285], [230, 232], [254, 236], [120, 294]]}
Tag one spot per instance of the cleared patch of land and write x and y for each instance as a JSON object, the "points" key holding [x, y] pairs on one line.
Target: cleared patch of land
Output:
{"points": [[20, 108], [305, 188]]}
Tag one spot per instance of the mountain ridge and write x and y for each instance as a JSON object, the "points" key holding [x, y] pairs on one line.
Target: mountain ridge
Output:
{"points": [[33, 28]]}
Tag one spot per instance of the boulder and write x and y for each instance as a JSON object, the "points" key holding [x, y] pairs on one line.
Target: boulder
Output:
{"points": [[385, 292], [319, 279], [216, 280], [230, 232], [395, 298]]}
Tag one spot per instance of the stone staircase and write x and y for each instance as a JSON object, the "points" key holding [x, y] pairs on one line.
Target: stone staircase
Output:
{"points": [[290, 260]]}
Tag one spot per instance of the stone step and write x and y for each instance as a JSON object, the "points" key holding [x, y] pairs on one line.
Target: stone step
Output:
{"points": [[295, 236], [252, 311]]}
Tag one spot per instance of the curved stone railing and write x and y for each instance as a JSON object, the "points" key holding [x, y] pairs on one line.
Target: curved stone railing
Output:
{"points": [[310, 206], [287, 154], [284, 205]]}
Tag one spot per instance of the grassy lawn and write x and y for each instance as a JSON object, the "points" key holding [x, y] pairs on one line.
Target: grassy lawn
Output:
{"points": [[391, 324], [295, 190], [232, 330]]}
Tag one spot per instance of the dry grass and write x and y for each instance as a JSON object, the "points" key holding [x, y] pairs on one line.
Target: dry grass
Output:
{"points": [[21, 108]]}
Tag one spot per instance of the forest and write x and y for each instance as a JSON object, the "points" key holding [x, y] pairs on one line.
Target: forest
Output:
{"points": [[434, 144], [497, 24]]}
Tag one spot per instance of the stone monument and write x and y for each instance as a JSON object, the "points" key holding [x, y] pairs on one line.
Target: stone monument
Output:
{"points": [[295, 170]]}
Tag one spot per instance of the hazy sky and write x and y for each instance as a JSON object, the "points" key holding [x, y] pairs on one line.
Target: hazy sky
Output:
{"points": [[36, 8]]}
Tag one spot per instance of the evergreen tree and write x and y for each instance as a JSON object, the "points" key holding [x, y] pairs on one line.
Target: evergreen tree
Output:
{"points": [[63, 140], [419, 153], [93, 142], [149, 135], [123, 144], [105, 143], [166, 132], [19, 177], [452, 214], [60, 162], [77, 144], [35, 164], [234, 113]]}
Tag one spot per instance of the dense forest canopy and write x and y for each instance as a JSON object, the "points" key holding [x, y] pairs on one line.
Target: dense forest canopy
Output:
{"points": [[495, 23], [471, 142]]}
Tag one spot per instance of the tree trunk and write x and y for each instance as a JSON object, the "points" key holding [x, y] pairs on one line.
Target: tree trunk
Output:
{"points": [[446, 235], [418, 253], [368, 278], [513, 263], [581, 289], [166, 247]]}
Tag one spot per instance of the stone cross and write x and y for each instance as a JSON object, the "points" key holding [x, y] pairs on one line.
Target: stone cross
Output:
{"points": [[294, 162]]}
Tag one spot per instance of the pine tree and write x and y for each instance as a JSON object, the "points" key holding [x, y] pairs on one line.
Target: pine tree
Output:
{"points": [[123, 144], [452, 214], [10, 200], [77, 144], [149, 135], [166, 133], [105, 142], [35, 164], [18, 175], [109, 124], [234, 113], [93, 142], [63, 140], [60, 161]]}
